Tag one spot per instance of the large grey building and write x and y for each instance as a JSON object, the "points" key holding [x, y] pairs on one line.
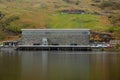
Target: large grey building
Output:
{"points": [[55, 36]]}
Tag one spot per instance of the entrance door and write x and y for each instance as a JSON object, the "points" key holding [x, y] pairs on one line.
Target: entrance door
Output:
{"points": [[44, 41]]}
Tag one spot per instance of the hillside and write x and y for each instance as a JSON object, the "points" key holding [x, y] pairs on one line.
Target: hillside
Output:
{"points": [[18, 14]]}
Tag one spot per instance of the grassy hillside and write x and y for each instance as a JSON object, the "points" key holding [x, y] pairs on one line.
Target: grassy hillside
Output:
{"points": [[20, 14], [78, 21]]}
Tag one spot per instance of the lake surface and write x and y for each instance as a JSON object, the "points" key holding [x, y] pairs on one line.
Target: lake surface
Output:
{"points": [[59, 65]]}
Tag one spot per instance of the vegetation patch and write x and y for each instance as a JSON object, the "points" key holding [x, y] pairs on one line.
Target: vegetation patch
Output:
{"points": [[90, 21], [110, 4], [2, 36], [20, 14], [17, 26], [117, 46]]}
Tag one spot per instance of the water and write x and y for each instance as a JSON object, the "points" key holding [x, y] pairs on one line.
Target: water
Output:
{"points": [[59, 65]]}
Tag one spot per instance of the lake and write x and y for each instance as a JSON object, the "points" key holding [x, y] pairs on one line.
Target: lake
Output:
{"points": [[59, 65]]}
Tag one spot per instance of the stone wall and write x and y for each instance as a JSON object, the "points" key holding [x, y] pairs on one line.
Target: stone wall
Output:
{"points": [[66, 38]]}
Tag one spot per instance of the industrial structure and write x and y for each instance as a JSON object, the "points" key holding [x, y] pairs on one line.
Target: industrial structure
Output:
{"points": [[55, 36]]}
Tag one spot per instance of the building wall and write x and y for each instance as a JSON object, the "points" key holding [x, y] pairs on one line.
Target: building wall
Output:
{"points": [[61, 37]]}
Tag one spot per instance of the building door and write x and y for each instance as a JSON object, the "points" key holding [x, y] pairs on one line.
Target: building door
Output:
{"points": [[44, 41]]}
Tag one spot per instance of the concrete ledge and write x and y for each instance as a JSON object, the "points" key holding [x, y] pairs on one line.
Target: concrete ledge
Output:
{"points": [[55, 47]]}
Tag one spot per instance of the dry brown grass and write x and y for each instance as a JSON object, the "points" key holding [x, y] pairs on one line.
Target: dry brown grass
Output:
{"points": [[37, 12]]}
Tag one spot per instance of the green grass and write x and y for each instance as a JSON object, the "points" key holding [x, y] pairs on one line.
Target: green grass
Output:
{"points": [[41, 13], [76, 21], [45, 14]]}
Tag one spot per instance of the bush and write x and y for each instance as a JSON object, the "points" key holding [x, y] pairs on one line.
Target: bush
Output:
{"points": [[96, 0], [118, 30], [115, 19], [111, 29], [8, 19], [68, 1], [111, 4], [117, 46], [17, 28], [2, 36], [77, 2], [11, 18]]}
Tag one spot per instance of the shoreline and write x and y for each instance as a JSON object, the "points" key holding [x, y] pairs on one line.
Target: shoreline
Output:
{"points": [[112, 49]]}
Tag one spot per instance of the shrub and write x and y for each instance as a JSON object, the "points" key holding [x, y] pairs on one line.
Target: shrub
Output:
{"points": [[115, 19], [112, 4], [77, 2], [96, 0], [2, 36], [117, 46], [118, 30], [111, 29], [11, 18], [17, 28]]}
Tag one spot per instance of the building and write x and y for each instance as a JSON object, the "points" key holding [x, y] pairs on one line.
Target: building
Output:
{"points": [[55, 36], [9, 43], [114, 42]]}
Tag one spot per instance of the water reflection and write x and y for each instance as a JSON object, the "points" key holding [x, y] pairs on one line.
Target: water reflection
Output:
{"points": [[105, 66], [59, 65], [10, 66]]}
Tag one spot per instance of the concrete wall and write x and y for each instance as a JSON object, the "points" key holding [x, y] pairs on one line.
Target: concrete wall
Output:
{"points": [[61, 37]]}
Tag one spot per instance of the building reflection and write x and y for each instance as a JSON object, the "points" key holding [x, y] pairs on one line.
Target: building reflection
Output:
{"points": [[45, 64], [68, 66], [31, 65], [59, 65], [54, 65]]}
